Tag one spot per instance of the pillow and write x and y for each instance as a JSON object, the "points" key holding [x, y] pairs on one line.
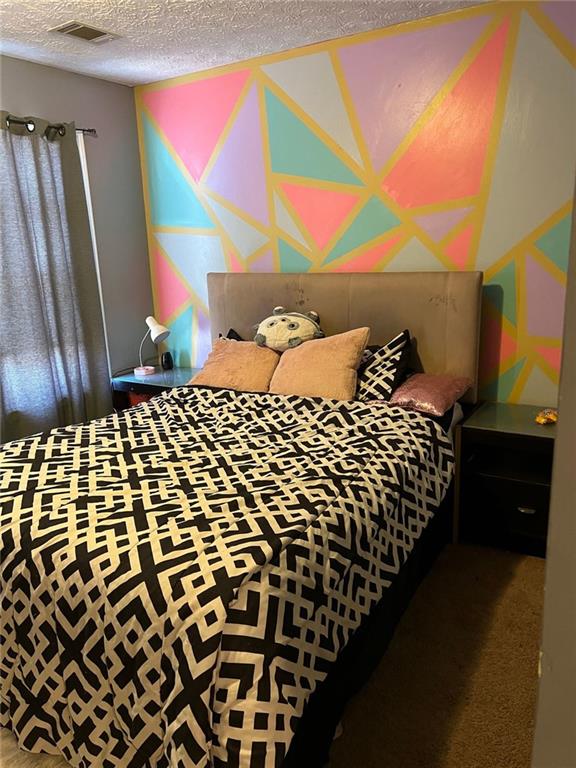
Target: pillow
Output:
{"points": [[321, 367], [381, 373], [240, 365], [430, 393], [367, 354], [283, 330], [232, 334]]}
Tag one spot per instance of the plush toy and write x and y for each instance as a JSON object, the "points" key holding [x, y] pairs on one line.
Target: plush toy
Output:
{"points": [[283, 330]]}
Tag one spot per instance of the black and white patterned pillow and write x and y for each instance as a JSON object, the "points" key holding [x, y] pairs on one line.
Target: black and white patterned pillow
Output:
{"points": [[384, 369], [232, 334]]}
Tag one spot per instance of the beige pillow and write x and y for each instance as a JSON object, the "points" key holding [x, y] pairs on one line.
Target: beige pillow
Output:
{"points": [[241, 365], [322, 367]]}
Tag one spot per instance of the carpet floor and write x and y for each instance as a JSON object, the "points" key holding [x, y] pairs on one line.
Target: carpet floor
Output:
{"points": [[457, 687]]}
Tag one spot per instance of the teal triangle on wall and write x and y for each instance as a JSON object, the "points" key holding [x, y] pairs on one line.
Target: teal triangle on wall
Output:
{"points": [[506, 381], [374, 219], [500, 388], [173, 202], [555, 243], [292, 260], [294, 149], [506, 279], [180, 340]]}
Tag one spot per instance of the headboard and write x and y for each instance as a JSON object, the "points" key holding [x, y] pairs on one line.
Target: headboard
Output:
{"points": [[441, 310]]}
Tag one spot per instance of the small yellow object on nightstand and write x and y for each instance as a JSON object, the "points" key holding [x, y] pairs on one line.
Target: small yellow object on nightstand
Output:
{"points": [[547, 416]]}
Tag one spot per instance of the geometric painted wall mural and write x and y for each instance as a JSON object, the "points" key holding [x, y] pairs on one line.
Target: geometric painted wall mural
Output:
{"points": [[446, 143]]}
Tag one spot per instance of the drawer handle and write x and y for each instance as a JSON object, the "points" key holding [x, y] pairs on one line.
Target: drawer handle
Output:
{"points": [[526, 510]]}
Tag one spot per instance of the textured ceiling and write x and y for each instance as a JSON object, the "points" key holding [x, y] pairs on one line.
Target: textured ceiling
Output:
{"points": [[165, 38]]}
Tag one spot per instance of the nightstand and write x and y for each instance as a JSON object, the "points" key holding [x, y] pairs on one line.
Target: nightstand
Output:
{"points": [[128, 390], [503, 476]]}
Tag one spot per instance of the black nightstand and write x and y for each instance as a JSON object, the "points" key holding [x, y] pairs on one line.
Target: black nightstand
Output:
{"points": [[503, 475], [128, 390]]}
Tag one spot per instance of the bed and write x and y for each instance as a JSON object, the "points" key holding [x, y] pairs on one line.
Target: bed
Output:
{"points": [[204, 579]]}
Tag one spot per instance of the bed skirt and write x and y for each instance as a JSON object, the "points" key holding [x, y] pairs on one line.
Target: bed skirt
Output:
{"points": [[311, 744]]}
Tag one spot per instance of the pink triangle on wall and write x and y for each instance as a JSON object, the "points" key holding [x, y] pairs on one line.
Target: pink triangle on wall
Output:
{"points": [[445, 161], [192, 116], [235, 263], [552, 355], [411, 68], [170, 291], [458, 249], [320, 210], [366, 261]]}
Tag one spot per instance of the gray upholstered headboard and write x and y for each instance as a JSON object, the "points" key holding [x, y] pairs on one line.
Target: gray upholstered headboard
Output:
{"points": [[441, 310]]}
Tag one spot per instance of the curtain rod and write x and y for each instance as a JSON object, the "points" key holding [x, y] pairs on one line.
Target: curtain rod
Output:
{"points": [[60, 127]]}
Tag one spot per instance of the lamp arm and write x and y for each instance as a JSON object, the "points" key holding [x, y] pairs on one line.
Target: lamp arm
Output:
{"points": [[141, 345]]}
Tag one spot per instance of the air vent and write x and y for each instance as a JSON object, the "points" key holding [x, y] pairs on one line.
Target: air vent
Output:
{"points": [[84, 32]]}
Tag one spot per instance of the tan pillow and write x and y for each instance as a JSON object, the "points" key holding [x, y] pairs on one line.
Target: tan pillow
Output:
{"points": [[322, 367], [241, 365]]}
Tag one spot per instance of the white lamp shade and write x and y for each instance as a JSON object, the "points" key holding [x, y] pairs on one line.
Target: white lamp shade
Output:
{"points": [[158, 332]]}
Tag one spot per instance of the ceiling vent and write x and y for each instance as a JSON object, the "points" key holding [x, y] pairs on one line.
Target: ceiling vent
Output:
{"points": [[84, 32]]}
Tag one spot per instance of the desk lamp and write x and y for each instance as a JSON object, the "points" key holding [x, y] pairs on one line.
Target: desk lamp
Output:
{"points": [[157, 333]]}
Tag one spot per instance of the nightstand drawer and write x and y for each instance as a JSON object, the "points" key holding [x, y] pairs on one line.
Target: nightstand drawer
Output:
{"points": [[528, 464], [512, 514], [528, 512], [503, 475]]}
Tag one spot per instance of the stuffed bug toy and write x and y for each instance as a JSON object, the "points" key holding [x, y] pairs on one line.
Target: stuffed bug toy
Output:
{"points": [[284, 330]]}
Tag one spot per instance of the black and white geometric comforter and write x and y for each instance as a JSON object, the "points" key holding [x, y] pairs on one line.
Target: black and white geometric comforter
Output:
{"points": [[177, 579]]}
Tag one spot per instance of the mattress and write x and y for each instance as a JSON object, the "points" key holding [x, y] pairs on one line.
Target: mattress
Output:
{"points": [[177, 579]]}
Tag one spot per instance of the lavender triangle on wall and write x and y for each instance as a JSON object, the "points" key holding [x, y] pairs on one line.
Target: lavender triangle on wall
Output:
{"points": [[238, 173], [264, 263], [437, 225], [409, 70]]}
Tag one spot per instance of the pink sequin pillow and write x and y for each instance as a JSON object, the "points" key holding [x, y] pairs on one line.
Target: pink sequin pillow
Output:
{"points": [[430, 393]]}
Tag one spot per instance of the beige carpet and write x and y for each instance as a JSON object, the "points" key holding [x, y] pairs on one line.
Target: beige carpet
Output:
{"points": [[457, 687]]}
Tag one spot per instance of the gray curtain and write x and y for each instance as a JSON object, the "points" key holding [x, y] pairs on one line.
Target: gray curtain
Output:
{"points": [[53, 368]]}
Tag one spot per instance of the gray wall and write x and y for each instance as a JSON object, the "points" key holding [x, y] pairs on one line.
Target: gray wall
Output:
{"points": [[115, 182], [555, 740]]}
